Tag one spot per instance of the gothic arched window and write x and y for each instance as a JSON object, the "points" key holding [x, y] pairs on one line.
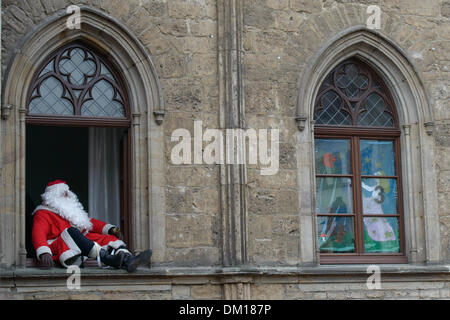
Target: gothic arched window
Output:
{"points": [[357, 164]]}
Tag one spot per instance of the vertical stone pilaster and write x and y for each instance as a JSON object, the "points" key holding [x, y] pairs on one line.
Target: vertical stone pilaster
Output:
{"points": [[236, 291], [136, 193], [232, 111], [20, 199], [411, 228]]}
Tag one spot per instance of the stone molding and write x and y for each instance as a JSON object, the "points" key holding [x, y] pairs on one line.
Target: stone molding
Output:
{"points": [[234, 283]]}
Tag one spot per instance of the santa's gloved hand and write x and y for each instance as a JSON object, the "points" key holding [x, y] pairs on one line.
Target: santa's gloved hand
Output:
{"points": [[114, 231], [46, 260]]}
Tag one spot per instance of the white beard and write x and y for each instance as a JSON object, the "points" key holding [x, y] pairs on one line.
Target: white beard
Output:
{"points": [[68, 208]]}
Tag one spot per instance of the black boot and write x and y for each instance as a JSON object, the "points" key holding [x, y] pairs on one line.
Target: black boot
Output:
{"points": [[130, 263], [114, 261]]}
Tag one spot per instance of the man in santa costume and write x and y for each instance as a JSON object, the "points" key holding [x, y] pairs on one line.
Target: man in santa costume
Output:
{"points": [[62, 231]]}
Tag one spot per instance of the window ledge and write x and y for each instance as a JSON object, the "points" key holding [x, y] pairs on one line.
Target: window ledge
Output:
{"points": [[325, 270]]}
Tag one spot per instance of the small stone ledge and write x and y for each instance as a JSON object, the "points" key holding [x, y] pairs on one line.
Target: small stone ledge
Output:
{"points": [[246, 271]]}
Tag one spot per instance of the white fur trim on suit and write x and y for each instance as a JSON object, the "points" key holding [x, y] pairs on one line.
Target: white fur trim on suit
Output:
{"points": [[115, 244], [70, 254], [107, 227], [123, 250], [41, 250], [95, 251], [69, 241], [74, 250], [42, 207]]}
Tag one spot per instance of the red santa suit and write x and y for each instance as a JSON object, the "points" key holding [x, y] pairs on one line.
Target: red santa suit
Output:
{"points": [[50, 230]]}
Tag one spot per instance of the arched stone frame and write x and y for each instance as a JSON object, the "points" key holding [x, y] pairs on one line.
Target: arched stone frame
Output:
{"points": [[147, 110], [417, 145]]}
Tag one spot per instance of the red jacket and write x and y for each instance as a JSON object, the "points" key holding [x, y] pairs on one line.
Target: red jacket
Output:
{"points": [[47, 226]]}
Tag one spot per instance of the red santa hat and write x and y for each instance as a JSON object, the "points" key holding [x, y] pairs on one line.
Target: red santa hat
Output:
{"points": [[56, 185], [55, 182]]}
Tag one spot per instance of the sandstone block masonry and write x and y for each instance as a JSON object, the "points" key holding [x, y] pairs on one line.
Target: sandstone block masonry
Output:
{"points": [[241, 63]]}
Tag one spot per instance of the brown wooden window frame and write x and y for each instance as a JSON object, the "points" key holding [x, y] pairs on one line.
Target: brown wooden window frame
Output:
{"points": [[78, 120], [355, 134]]}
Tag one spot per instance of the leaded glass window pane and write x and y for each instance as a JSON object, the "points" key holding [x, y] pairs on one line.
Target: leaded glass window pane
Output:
{"points": [[374, 113], [102, 103], [331, 112], [76, 66], [352, 95], [351, 82], [51, 100]]}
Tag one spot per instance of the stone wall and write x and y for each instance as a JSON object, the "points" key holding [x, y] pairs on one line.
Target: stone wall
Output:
{"points": [[202, 225], [280, 37]]}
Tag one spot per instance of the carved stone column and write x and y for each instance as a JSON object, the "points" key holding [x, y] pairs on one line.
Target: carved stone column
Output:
{"points": [[20, 222], [231, 104], [236, 291]]}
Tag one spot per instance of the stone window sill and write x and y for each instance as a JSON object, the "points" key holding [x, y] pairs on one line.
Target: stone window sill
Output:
{"points": [[328, 270]]}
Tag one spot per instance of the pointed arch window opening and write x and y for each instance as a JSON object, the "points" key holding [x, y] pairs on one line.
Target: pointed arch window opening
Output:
{"points": [[76, 83], [359, 206]]}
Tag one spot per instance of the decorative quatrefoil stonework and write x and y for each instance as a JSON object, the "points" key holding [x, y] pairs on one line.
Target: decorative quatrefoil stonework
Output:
{"points": [[77, 82], [353, 95]]}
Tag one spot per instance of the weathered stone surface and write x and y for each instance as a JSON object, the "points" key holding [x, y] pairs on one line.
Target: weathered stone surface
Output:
{"points": [[206, 292], [171, 65], [415, 7], [193, 257], [445, 9], [444, 182], [192, 200], [181, 292], [308, 6], [192, 8], [189, 231], [277, 4], [288, 21], [267, 292], [257, 14], [155, 8], [279, 40]]}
